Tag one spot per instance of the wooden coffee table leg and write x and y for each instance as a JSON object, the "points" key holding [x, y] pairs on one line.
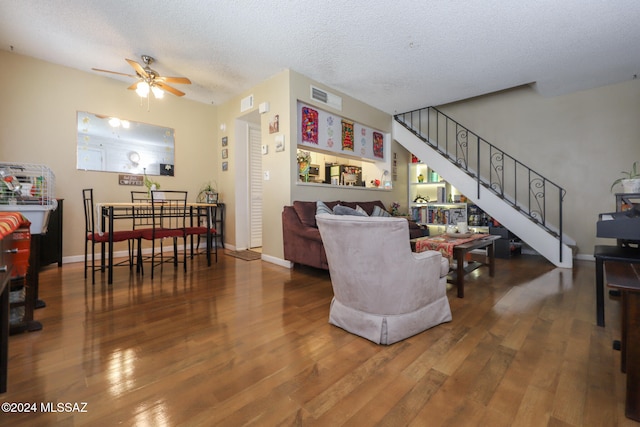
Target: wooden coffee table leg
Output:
{"points": [[492, 259], [460, 272]]}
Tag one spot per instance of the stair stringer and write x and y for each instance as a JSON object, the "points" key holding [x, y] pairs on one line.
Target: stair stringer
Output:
{"points": [[527, 230]]}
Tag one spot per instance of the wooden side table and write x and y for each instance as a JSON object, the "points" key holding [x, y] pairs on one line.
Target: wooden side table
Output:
{"points": [[626, 278], [604, 253]]}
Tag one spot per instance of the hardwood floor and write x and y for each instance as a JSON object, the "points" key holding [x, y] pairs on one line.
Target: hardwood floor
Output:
{"points": [[248, 343]]}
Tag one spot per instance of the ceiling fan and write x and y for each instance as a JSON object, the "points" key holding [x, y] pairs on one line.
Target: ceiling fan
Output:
{"points": [[150, 80]]}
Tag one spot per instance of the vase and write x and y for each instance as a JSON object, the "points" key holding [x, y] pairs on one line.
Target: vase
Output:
{"points": [[631, 185], [303, 168]]}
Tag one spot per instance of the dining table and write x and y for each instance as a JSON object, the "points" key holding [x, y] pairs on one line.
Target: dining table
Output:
{"points": [[110, 212]]}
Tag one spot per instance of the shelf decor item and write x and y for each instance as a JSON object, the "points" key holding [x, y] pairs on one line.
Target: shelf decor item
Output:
{"points": [[208, 193], [630, 180], [304, 162]]}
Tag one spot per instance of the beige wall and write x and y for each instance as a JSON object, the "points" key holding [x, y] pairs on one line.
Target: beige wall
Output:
{"points": [[581, 141], [282, 93], [275, 191], [38, 109]]}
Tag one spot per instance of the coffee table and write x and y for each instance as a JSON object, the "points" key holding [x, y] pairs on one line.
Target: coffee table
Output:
{"points": [[457, 249]]}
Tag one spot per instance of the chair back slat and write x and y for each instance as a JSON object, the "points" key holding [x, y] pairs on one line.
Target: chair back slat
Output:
{"points": [[89, 213], [169, 209], [142, 217]]}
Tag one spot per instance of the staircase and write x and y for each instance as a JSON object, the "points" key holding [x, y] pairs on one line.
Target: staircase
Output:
{"points": [[519, 198]]}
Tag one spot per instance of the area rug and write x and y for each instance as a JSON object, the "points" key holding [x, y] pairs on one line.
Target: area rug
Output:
{"points": [[246, 255]]}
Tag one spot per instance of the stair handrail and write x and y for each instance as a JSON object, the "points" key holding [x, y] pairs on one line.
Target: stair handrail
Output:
{"points": [[492, 172]]}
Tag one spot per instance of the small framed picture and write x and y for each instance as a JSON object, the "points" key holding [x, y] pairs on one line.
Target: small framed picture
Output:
{"points": [[274, 124], [225, 141], [225, 153], [225, 166]]}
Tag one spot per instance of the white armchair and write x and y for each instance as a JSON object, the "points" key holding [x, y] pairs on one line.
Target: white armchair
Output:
{"points": [[383, 291]]}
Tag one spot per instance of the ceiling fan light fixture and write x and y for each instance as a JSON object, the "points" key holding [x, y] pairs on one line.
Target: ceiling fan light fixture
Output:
{"points": [[142, 89], [157, 92]]}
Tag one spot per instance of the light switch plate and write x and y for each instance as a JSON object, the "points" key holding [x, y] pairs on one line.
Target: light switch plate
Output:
{"points": [[266, 175], [265, 148]]}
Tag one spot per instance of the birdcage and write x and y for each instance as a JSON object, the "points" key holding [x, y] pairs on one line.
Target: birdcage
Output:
{"points": [[30, 190]]}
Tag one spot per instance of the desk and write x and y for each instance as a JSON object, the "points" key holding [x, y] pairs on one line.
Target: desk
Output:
{"points": [[109, 212], [608, 253], [457, 249], [626, 278]]}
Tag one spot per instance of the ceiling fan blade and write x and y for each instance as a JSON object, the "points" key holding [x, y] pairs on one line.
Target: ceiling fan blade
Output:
{"points": [[181, 80], [168, 88], [133, 86], [138, 68], [114, 72]]}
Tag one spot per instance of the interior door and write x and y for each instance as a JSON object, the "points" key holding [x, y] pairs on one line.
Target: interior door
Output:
{"points": [[255, 187]]}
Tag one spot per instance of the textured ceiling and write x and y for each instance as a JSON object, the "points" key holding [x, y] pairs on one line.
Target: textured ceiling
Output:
{"points": [[395, 55]]}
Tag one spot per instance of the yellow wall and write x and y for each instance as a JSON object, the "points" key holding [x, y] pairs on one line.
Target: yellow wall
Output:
{"points": [[38, 106]]}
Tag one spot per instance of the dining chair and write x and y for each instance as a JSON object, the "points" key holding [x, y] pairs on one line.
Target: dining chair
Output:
{"points": [[142, 219], [94, 236], [198, 227], [168, 221]]}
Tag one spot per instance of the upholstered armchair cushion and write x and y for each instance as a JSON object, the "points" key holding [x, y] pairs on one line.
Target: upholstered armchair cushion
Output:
{"points": [[382, 291]]}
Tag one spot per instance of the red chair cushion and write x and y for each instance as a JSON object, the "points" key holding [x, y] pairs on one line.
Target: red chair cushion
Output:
{"points": [[199, 230], [161, 233], [118, 236]]}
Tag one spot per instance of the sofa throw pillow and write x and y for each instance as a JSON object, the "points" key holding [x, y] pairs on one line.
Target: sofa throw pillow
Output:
{"points": [[362, 211], [322, 208], [345, 210], [378, 211]]}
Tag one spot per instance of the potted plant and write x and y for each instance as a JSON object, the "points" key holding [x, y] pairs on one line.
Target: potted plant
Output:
{"points": [[208, 193], [630, 180], [149, 183]]}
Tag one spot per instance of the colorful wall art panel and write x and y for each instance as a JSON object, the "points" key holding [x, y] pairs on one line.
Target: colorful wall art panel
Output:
{"points": [[331, 133], [309, 125], [347, 135], [378, 145]]}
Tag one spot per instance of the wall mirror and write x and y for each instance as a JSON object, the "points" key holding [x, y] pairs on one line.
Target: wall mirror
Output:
{"points": [[111, 144]]}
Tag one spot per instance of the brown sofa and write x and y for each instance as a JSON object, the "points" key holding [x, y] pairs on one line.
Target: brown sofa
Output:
{"points": [[301, 237]]}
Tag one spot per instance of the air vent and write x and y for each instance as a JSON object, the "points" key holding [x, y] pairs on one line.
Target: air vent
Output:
{"points": [[246, 103], [329, 99]]}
